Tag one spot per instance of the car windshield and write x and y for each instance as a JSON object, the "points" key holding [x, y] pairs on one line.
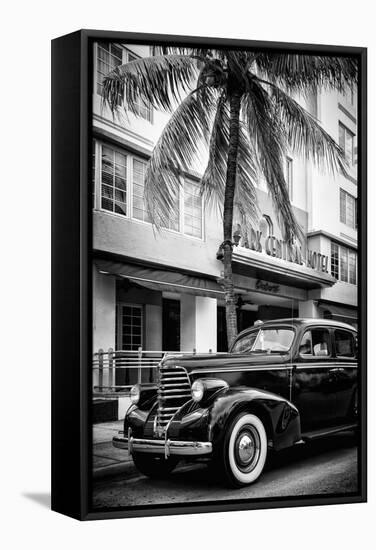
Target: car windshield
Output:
{"points": [[265, 340]]}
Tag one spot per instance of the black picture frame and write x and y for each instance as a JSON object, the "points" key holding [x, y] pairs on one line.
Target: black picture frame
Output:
{"points": [[72, 285]]}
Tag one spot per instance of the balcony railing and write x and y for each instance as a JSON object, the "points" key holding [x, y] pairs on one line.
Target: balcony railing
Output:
{"points": [[116, 371]]}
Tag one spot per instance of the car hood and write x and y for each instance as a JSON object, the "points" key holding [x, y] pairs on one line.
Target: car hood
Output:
{"points": [[221, 360]]}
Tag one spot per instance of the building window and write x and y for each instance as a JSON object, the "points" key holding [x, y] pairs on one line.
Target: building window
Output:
{"points": [[289, 176], [266, 226], [173, 221], [93, 174], [348, 96], [109, 57], [346, 142], [129, 327], [144, 110], [113, 181], [139, 208], [348, 209], [352, 267], [119, 187], [192, 209], [344, 264], [334, 260]]}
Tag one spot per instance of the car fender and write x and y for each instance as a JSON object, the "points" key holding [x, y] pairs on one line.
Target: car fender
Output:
{"points": [[280, 417]]}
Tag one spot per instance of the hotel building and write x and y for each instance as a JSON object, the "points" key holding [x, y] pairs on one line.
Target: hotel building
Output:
{"points": [[161, 291]]}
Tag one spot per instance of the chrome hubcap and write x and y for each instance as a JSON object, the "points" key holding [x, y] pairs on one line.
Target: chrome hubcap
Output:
{"points": [[246, 449]]}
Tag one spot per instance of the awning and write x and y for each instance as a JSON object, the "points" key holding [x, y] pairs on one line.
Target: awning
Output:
{"points": [[261, 266], [161, 280], [340, 313]]}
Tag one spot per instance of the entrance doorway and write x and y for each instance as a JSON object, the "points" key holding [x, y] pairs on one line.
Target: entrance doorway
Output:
{"points": [[246, 319], [221, 329], [171, 325]]}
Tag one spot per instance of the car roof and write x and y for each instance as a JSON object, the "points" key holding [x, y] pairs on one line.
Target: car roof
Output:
{"points": [[302, 321]]}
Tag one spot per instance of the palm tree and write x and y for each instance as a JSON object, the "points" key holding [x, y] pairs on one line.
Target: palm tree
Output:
{"points": [[241, 105]]}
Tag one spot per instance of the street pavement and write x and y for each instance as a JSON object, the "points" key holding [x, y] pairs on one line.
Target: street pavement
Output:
{"points": [[108, 461], [328, 466]]}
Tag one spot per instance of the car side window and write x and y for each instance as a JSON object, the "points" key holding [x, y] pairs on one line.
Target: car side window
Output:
{"points": [[344, 343], [245, 344], [315, 343], [305, 347]]}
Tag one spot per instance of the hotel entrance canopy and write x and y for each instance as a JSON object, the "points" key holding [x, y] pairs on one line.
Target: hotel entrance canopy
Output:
{"points": [[160, 279], [262, 266]]}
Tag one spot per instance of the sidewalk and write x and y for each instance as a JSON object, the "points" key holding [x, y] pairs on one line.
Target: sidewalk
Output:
{"points": [[106, 459]]}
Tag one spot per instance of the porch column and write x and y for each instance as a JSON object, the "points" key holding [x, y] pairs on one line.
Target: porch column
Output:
{"points": [[153, 327], [309, 309], [104, 312], [198, 323]]}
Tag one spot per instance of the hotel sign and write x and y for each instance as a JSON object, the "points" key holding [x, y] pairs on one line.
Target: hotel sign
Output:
{"points": [[278, 248], [266, 286]]}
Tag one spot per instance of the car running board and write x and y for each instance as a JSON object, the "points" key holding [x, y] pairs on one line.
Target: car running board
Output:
{"points": [[315, 434]]}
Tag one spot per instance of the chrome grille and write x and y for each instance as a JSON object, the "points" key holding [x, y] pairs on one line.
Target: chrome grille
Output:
{"points": [[174, 389]]}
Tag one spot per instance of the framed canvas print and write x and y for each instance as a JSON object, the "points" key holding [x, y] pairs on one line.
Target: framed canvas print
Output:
{"points": [[209, 274]]}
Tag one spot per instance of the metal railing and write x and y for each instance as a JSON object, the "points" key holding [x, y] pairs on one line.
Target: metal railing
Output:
{"points": [[116, 371], [119, 370]]}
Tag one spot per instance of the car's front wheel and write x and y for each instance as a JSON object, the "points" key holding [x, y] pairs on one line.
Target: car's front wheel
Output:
{"points": [[243, 455], [154, 466]]}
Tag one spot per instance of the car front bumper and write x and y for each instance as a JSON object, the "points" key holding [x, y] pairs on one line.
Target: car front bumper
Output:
{"points": [[164, 447]]}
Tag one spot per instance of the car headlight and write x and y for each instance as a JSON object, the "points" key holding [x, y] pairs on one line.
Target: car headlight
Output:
{"points": [[198, 389], [135, 394]]}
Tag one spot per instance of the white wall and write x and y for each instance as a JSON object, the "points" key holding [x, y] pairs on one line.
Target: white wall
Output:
{"points": [[198, 323], [325, 208], [104, 311], [309, 309], [206, 324]]}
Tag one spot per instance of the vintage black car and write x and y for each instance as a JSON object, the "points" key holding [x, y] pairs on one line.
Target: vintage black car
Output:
{"points": [[283, 382]]}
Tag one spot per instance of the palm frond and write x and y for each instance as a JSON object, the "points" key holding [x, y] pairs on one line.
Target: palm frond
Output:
{"points": [[160, 81], [270, 142], [308, 72], [197, 53], [176, 151], [304, 133], [214, 179], [164, 49], [246, 211]]}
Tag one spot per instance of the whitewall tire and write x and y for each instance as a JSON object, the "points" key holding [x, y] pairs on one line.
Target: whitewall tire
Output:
{"points": [[244, 450]]}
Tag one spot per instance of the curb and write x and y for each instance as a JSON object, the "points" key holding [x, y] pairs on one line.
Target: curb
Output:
{"points": [[114, 469]]}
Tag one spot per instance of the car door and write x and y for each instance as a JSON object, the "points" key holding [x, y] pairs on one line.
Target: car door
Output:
{"points": [[346, 374], [314, 379]]}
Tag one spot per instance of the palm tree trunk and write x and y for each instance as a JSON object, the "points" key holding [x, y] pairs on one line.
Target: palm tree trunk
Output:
{"points": [[228, 213]]}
